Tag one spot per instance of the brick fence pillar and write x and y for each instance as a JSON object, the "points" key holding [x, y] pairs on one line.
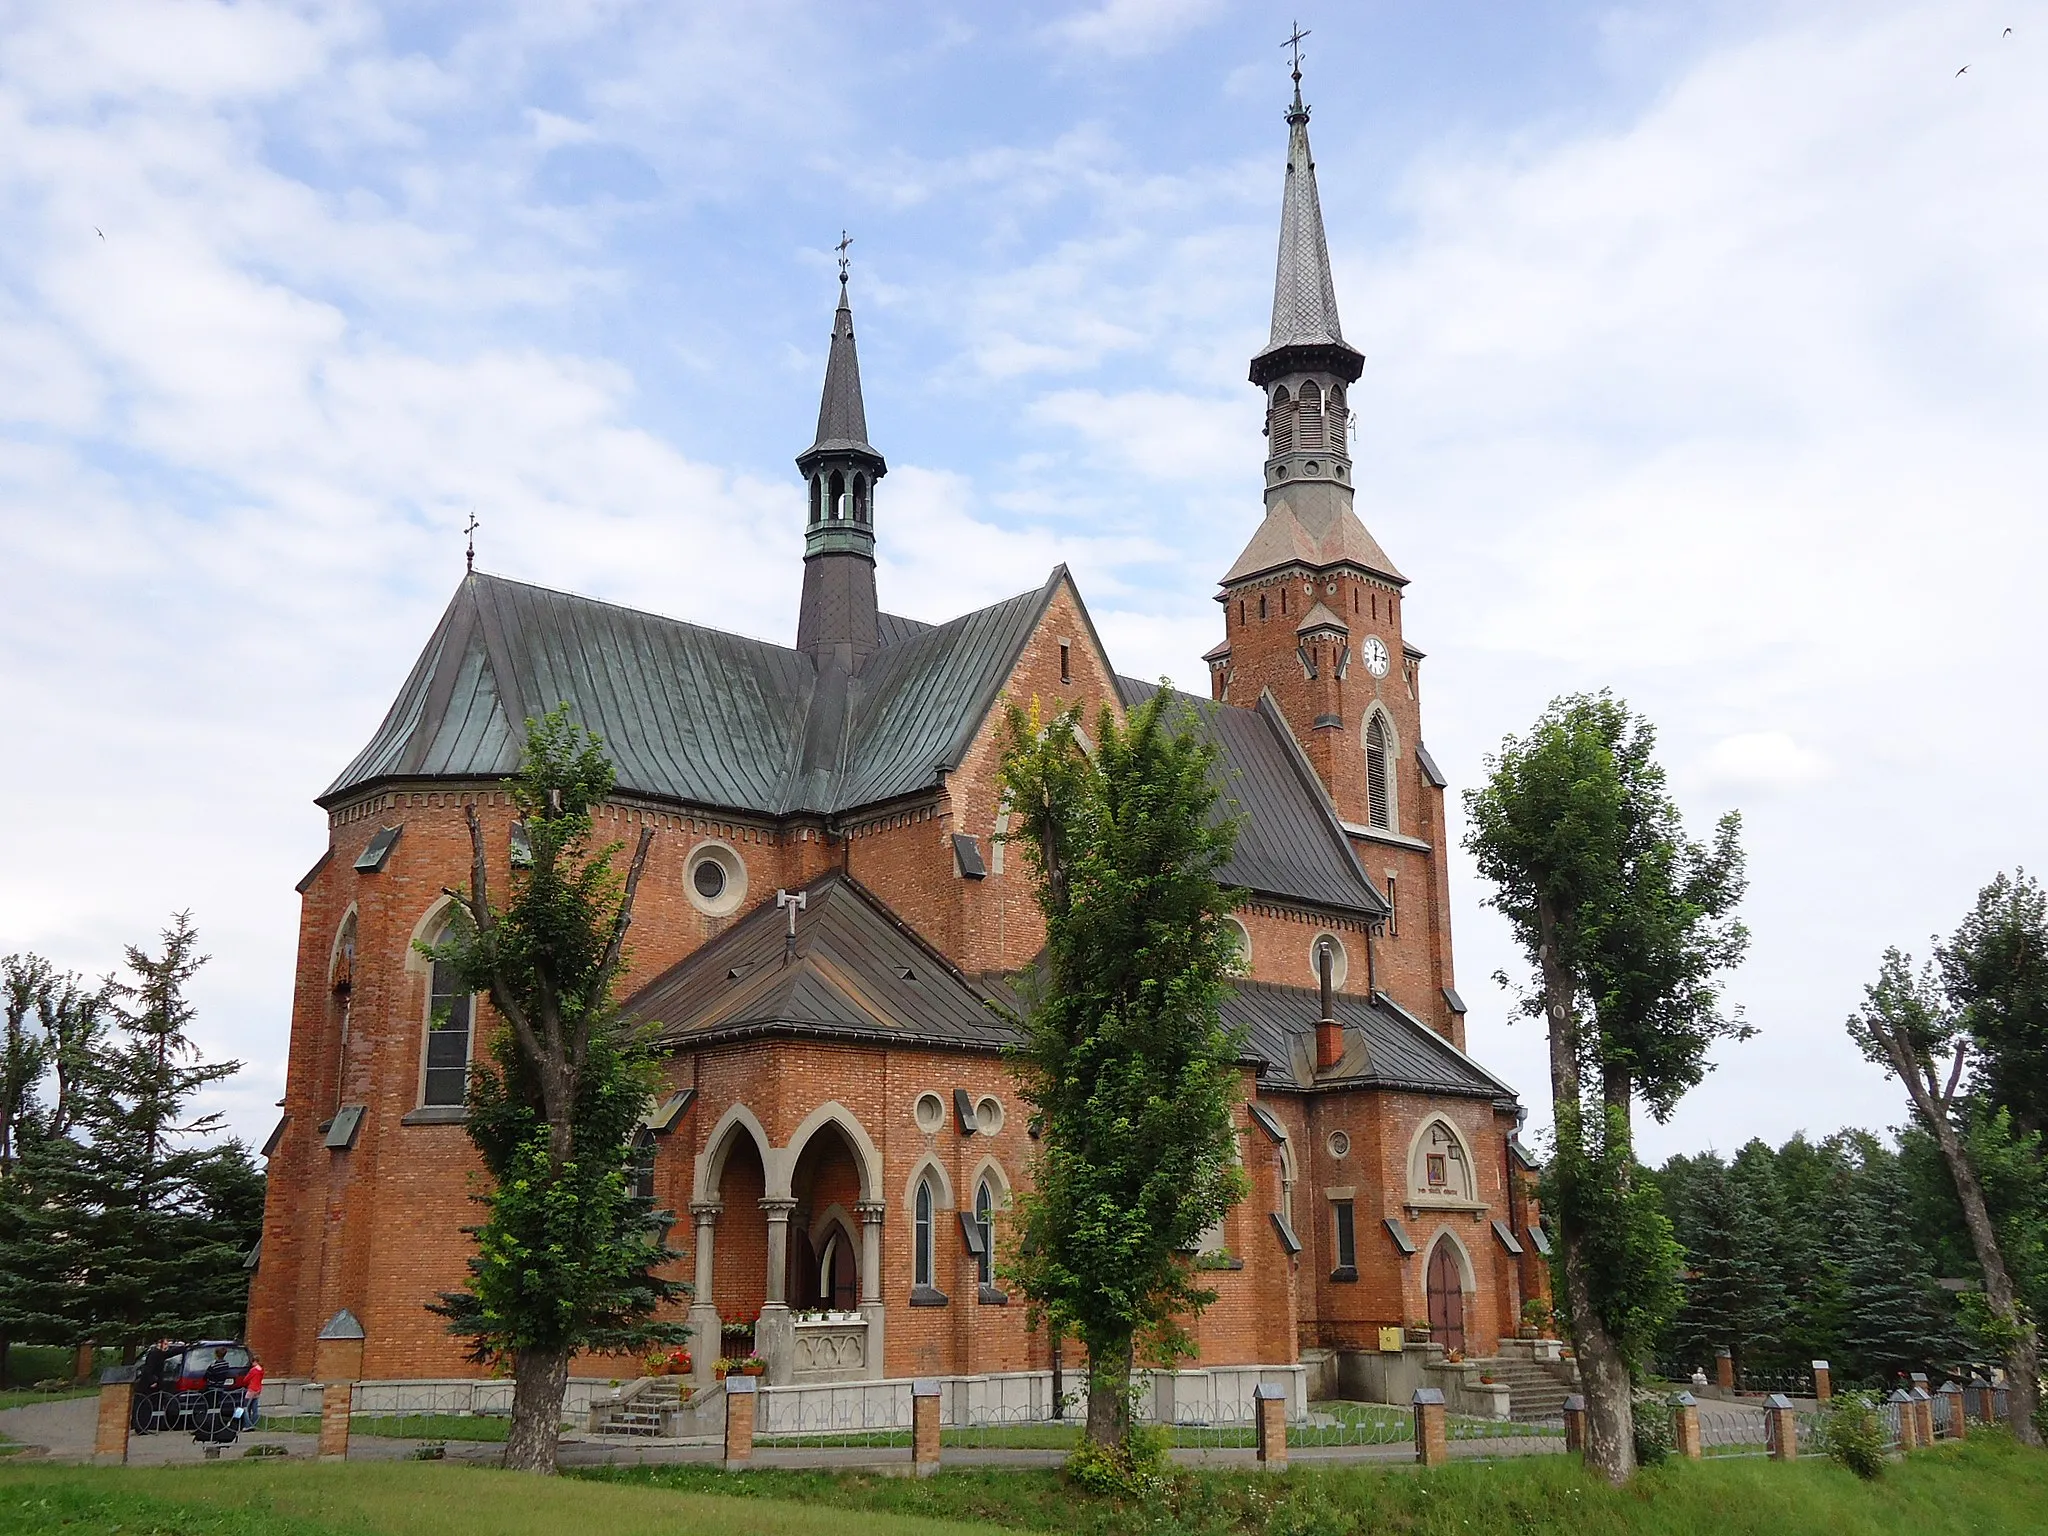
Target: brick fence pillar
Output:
{"points": [[1977, 1398], [1923, 1410], [924, 1425], [1269, 1402], [1958, 1424], [81, 1363], [1909, 1421], [1724, 1369], [1781, 1427], [741, 1398], [337, 1398], [1575, 1424], [110, 1430], [1685, 1426], [1823, 1381], [1432, 1435]]}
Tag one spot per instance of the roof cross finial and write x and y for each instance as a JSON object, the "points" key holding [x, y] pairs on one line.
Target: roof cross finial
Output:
{"points": [[1294, 42], [844, 241], [469, 531]]}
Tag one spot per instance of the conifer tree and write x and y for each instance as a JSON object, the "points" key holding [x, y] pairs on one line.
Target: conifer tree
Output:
{"points": [[1734, 1298], [1899, 1320]]}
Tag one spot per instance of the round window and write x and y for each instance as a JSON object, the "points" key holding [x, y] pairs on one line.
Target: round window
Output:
{"points": [[715, 879], [1340, 1144], [988, 1116], [1340, 963], [929, 1112], [1241, 963]]}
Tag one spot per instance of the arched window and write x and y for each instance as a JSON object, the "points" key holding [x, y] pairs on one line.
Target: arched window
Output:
{"points": [[838, 494], [817, 498], [342, 979], [1280, 422], [640, 1171], [450, 1013], [921, 1271], [1379, 781], [985, 1219], [860, 498], [1310, 430]]}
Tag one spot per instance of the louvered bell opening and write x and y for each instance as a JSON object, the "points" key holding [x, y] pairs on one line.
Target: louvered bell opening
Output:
{"points": [[1376, 773]]}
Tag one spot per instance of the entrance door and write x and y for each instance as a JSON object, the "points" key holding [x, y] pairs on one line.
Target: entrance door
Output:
{"points": [[1446, 1297]]}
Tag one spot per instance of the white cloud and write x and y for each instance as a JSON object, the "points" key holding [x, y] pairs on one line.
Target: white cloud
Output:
{"points": [[1762, 760], [1124, 29]]}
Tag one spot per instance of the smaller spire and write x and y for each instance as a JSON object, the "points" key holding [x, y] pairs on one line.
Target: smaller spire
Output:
{"points": [[842, 417]]}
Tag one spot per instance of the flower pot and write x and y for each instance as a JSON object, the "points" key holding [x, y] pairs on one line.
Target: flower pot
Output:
{"points": [[754, 1368]]}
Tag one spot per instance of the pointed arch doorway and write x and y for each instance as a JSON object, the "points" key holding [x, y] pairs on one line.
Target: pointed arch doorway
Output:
{"points": [[1446, 1297]]}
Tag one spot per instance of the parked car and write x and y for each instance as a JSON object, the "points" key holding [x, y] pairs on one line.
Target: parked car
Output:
{"points": [[210, 1388]]}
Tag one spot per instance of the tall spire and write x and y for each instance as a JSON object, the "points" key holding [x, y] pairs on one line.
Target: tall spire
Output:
{"points": [[841, 469], [1304, 297]]}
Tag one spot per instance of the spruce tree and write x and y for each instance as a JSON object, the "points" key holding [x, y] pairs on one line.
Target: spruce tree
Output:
{"points": [[1733, 1296], [1899, 1320]]}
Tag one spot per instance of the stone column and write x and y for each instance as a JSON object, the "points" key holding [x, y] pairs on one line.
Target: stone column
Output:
{"points": [[1432, 1440], [117, 1402], [1269, 1402], [707, 1341], [740, 1402], [1901, 1406], [1782, 1428], [1575, 1424], [924, 1425], [1823, 1381], [1724, 1369], [775, 1333], [1685, 1426], [872, 1214], [1958, 1423]]}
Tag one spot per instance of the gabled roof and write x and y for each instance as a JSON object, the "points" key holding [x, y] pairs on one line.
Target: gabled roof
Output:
{"points": [[692, 714], [856, 972], [1290, 843], [1386, 1046]]}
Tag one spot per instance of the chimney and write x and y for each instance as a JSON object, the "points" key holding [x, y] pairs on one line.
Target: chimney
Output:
{"points": [[1329, 1033]]}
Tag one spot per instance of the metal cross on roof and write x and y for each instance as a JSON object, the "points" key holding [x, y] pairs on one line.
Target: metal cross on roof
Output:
{"points": [[844, 241], [1294, 42], [469, 531]]}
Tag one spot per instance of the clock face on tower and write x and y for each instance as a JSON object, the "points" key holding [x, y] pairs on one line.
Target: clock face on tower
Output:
{"points": [[1374, 653]]}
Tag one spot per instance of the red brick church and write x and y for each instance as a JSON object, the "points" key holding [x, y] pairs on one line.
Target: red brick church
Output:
{"points": [[840, 1137]]}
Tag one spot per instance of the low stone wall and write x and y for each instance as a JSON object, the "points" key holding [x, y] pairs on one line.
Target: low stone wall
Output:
{"points": [[457, 1395], [1215, 1394]]}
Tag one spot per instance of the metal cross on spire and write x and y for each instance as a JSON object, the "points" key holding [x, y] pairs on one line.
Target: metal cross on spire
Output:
{"points": [[1294, 42], [844, 241], [469, 531]]}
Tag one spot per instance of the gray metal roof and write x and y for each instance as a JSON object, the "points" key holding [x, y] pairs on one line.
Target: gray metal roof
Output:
{"points": [[1304, 297], [842, 416], [1386, 1046], [1290, 843], [687, 713], [857, 972]]}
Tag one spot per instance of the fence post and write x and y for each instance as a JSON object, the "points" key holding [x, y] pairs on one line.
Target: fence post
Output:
{"points": [[117, 1401], [1575, 1423], [1782, 1428], [1977, 1397], [924, 1425], [336, 1399], [1269, 1402], [1685, 1426], [1909, 1421], [1823, 1381], [1724, 1369], [1923, 1410], [741, 1398], [1958, 1425], [1432, 1442]]}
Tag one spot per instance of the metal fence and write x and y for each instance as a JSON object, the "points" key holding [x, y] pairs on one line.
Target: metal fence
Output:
{"points": [[210, 1415], [429, 1411]]}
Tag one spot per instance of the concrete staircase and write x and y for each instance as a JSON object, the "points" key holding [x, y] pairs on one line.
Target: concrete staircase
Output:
{"points": [[1536, 1389], [645, 1409]]}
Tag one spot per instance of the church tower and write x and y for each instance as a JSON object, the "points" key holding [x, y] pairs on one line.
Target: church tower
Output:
{"points": [[836, 621], [1312, 612]]}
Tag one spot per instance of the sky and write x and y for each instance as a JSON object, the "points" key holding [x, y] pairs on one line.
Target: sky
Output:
{"points": [[1705, 362]]}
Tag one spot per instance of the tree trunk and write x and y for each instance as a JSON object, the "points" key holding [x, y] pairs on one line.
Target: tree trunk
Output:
{"points": [[539, 1378], [1603, 1374], [1109, 1392], [2023, 1362]]}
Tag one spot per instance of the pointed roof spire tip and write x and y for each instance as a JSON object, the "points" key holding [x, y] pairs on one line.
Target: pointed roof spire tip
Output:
{"points": [[1294, 42]]}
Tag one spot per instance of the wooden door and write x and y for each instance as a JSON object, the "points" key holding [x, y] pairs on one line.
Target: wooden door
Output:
{"points": [[1446, 1297]]}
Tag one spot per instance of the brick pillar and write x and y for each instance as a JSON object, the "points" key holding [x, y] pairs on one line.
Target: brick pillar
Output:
{"points": [[1923, 1410], [1958, 1423], [741, 1399], [1575, 1424], [1685, 1426], [1909, 1421], [1269, 1402], [336, 1398], [1781, 1427], [81, 1363], [110, 1431], [924, 1425], [1432, 1435], [1724, 1369], [1823, 1381], [1977, 1399]]}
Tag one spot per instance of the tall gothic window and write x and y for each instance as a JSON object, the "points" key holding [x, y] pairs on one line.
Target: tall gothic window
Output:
{"points": [[985, 1219], [921, 1273], [1280, 422], [837, 491], [1379, 745], [860, 498], [817, 498], [1310, 430], [640, 1172], [450, 1013]]}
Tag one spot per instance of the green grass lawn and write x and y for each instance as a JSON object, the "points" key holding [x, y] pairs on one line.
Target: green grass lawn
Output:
{"points": [[396, 1426], [1985, 1487]]}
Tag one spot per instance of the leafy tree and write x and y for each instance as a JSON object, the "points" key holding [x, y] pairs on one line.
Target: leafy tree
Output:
{"points": [[1995, 973], [567, 1257], [1125, 1060], [1626, 923], [1907, 1026]]}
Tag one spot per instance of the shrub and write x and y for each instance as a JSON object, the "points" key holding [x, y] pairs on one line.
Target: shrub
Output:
{"points": [[1653, 1428], [1852, 1432], [1132, 1468]]}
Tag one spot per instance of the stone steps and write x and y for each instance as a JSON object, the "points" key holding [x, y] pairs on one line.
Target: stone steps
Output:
{"points": [[1533, 1391], [642, 1415]]}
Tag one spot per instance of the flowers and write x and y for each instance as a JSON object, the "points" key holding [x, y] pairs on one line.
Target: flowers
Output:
{"points": [[740, 1365], [676, 1362]]}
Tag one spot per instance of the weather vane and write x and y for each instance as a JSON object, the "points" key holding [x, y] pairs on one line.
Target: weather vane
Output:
{"points": [[844, 241], [469, 530]]}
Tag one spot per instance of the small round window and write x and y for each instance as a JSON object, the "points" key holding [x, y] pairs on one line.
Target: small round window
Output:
{"points": [[1340, 1144], [1340, 963], [715, 879], [988, 1116], [1241, 962], [930, 1113]]}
